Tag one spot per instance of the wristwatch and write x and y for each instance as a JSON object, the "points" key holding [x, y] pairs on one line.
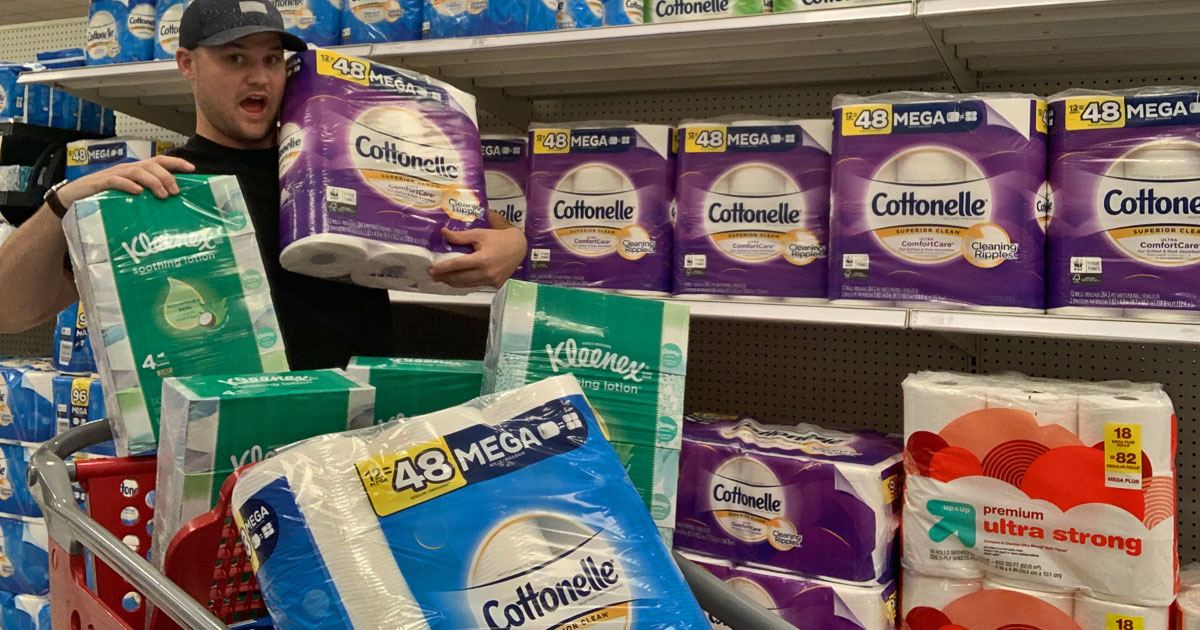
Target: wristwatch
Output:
{"points": [[52, 200]]}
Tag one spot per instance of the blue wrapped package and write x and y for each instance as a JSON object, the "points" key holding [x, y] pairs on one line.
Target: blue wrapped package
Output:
{"points": [[24, 612], [510, 511], [77, 401], [474, 18], [317, 22], [85, 157], [108, 125], [91, 117], [120, 31], [24, 557], [593, 13], [64, 108], [371, 21], [543, 15], [15, 496], [167, 14], [73, 353], [12, 94], [26, 407]]}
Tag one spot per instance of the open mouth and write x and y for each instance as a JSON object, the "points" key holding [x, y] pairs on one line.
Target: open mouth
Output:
{"points": [[253, 104]]}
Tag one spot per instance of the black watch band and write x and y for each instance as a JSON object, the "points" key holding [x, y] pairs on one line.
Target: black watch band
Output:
{"points": [[52, 200]]}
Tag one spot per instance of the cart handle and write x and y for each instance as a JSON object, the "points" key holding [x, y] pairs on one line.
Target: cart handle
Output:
{"points": [[50, 482]]}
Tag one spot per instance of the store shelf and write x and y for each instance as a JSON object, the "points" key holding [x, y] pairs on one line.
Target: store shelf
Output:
{"points": [[1052, 326]]}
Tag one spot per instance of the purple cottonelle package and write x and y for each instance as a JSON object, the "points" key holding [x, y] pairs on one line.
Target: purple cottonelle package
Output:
{"points": [[936, 200], [505, 171], [1125, 176], [752, 209], [797, 498], [599, 207], [373, 162], [806, 602]]}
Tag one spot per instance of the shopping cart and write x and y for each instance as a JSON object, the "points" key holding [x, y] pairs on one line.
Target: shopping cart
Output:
{"points": [[206, 557]]}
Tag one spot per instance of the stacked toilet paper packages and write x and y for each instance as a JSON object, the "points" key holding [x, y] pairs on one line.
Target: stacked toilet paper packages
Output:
{"points": [[72, 350], [171, 287], [85, 157], [505, 172], [373, 163], [795, 499], [24, 612], [13, 94], [453, 18], [752, 209], [935, 199], [1037, 503], [377, 21], [213, 425], [633, 375], [24, 557], [1185, 614], [807, 603], [599, 207], [317, 22], [413, 387], [511, 511], [120, 31], [26, 410], [79, 399], [1125, 179], [593, 13]]}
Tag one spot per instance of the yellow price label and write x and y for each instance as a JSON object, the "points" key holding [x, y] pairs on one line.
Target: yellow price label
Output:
{"points": [[551, 141], [345, 67], [77, 156], [891, 488], [81, 392], [867, 120], [1042, 117], [1122, 622], [398, 481], [1095, 112], [705, 139], [1123, 449]]}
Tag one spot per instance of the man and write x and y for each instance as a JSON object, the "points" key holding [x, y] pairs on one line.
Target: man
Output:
{"points": [[232, 52]]}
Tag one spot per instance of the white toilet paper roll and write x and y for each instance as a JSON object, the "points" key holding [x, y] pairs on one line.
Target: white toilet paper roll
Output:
{"points": [[757, 181], [394, 267], [1062, 601], [325, 255], [1152, 410], [1049, 407], [1097, 614], [595, 179], [516, 547], [1088, 311], [933, 400], [933, 592], [1162, 315], [1163, 163], [500, 186], [930, 166]]}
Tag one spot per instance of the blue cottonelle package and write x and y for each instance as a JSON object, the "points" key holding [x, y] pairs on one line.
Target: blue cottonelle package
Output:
{"points": [[65, 108], [475, 18], [593, 13], [120, 31], [543, 15], [24, 557], [26, 408], [167, 14], [72, 351], [15, 497], [510, 511], [77, 401], [371, 21], [12, 94], [24, 612], [85, 157], [317, 22]]}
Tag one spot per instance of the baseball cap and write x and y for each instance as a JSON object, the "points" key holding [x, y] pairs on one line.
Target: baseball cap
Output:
{"points": [[218, 22]]}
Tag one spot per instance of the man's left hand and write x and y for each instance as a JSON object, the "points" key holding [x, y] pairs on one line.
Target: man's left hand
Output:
{"points": [[498, 253]]}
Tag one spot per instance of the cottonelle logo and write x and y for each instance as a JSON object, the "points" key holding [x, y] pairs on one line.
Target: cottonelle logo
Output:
{"points": [[1148, 203], [143, 245], [747, 501], [141, 21], [683, 8], [291, 146], [505, 197], [755, 213], [405, 157], [168, 28], [594, 212], [102, 36]]}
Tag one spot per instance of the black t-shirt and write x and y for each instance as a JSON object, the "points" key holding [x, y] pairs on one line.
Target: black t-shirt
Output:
{"points": [[323, 322]]}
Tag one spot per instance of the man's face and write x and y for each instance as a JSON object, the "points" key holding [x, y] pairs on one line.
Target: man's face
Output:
{"points": [[239, 86]]}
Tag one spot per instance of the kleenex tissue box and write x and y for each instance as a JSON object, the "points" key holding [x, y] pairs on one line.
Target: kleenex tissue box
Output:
{"points": [[414, 387]]}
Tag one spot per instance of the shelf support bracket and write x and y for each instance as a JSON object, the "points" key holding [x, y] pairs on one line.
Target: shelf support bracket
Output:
{"points": [[964, 80]]}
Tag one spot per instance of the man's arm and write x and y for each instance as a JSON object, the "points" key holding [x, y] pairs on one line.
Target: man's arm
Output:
{"points": [[32, 277], [498, 252]]}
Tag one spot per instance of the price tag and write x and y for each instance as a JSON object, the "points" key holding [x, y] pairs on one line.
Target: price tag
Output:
{"points": [[704, 139], [1122, 622], [867, 120], [547, 141], [1123, 455], [352, 69], [1095, 112]]}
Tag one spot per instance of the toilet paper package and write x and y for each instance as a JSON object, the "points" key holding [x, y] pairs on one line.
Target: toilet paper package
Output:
{"points": [[372, 168], [65, 109], [679, 10], [317, 22], [15, 496], [1063, 601], [73, 351], [594, 13], [24, 612], [505, 172], [1125, 178], [24, 556], [26, 410], [77, 401], [85, 157], [806, 602], [120, 31], [172, 287], [12, 94], [543, 15], [108, 127], [936, 198], [752, 208], [927, 591], [456, 18], [1097, 614], [167, 15], [797, 498], [932, 603], [412, 387], [14, 178], [379, 21], [510, 511], [999, 485], [213, 425], [599, 208]]}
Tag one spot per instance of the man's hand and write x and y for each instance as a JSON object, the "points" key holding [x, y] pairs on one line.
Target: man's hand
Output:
{"points": [[498, 252], [154, 174]]}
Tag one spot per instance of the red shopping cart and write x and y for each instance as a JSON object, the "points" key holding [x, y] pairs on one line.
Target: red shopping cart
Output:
{"points": [[207, 582]]}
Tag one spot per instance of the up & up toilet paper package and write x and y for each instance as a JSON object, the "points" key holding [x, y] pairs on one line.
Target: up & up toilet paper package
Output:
{"points": [[1042, 485], [505, 172], [794, 498], [213, 425], [752, 208], [24, 612], [85, 157], [936, 198], [1125, 181], [680, 10], [77, 401], [412, 387], [373, 163], [167, 15], [633, 375], [120, 31], [26, 410], [317, 22], [370, 21], [172, 287], [806, 602], [509, 512], [73, 351], [24, 555], [599, 206]]}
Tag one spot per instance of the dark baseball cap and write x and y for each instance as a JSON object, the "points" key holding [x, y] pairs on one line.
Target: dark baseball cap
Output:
{"points": [[218, 22]]}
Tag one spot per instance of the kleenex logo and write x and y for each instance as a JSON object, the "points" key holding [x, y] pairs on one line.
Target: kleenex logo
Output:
{"points": [[142, 245], [286, 379], [568, 354]]}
